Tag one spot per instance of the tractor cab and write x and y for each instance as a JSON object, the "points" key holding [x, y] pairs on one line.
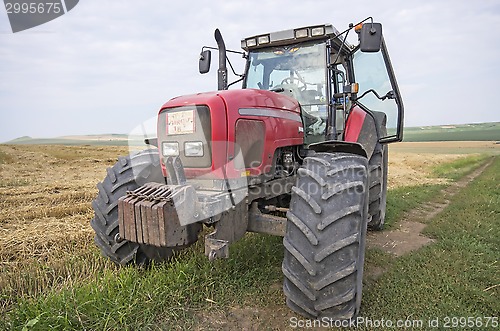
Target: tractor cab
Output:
{"points": [[328, 77]]}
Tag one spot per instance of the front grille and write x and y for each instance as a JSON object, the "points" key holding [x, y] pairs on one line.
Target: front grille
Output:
{"points": [[201, 131]]}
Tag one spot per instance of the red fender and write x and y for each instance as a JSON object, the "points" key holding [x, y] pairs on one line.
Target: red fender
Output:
{"points": [[354, 124]]}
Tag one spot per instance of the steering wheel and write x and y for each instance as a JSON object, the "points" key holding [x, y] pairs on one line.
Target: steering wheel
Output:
{"points": [[296, 81]]}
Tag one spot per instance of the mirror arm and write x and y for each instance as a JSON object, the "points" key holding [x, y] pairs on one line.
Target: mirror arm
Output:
{"points": [[238, 80], [227, 50], [234, 72], [351, 26], [388, 95], [343, 43]]}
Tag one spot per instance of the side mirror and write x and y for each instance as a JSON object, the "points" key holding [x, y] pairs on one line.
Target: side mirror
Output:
{"points": [[205, 59], [370, 38]]}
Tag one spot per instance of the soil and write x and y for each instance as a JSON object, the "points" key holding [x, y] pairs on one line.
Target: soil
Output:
{"points": [[274, 317], [406, 238]]}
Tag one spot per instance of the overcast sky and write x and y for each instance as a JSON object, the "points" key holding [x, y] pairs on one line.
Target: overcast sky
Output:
{"points": [[106, 66]]}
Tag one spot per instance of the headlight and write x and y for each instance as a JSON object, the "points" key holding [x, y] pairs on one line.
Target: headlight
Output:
{"points": [[251, 42], [302, 33], [170, 148], [319, 31], [263, 40], [193, 148]]}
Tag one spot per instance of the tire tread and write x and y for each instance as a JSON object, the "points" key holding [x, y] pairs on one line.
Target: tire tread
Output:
{"points": [[325, 238]]}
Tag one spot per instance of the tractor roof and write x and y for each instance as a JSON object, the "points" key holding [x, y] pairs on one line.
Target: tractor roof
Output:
{"points": [[290, 36]]}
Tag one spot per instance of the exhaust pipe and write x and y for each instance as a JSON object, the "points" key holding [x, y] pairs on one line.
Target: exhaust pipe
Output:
{"points": [[222, 72]]}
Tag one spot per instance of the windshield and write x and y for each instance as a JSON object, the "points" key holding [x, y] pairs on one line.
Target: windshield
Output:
{"points": [[296, 70]]}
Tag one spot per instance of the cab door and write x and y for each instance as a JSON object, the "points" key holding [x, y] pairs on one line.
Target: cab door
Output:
{"points": [[378, 90]]}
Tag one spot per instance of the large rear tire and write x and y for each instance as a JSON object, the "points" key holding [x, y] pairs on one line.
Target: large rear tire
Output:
{"points": [[325, 237], [127, 174], [378, 187]]}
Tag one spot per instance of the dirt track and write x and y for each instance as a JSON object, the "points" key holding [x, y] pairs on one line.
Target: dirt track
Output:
{"points": [[407, 237]]}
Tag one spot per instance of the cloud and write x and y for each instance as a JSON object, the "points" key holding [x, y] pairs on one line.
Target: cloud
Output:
{"points": [[106, 66]]}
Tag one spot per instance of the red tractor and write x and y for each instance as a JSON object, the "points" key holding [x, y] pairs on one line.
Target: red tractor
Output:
{"points": [[305, 137]]}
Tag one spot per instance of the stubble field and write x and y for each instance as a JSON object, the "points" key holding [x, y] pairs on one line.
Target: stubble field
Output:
{"points": [[45, 208]]}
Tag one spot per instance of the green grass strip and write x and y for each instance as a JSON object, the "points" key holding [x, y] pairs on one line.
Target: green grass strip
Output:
{"points": [[460, 167], [458, 276]]}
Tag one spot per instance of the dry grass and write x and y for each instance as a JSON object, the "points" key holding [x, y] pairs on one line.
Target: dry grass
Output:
{"points": [[407, 169], [45, 208], [412, 163]]}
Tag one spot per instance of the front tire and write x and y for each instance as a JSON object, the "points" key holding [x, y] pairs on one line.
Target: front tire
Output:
{"points": [[325, 237], [126, 175]]}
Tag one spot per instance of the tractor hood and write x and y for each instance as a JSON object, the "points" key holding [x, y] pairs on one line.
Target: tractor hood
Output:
{"points": [[222, 124], [246, 98]]}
